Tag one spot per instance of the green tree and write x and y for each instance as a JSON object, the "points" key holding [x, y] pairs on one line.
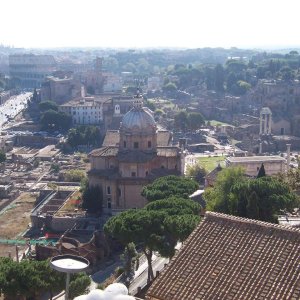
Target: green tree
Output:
{"points": [[268, 194], [74, 175], [129, 256], [235, 66], [209, 78], [291, 178], [48, 105], [219, 78], [174, 206], [181, 121], [197, 172], [261, 171], [79, 285], [92, 199], [131, 90], [74, 137], [252, 206], [84, 135], [287, 73], [195, 120], [29, 279], [52, 120], [90, 90], [55, 167], [219, 197], [2, 156], [149, 104], [140, 227], [242, 87], [167, 186], [154, 228], [170, 87]]}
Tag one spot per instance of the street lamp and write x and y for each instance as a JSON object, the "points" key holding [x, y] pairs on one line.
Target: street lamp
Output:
{"points": [[69, 264]]}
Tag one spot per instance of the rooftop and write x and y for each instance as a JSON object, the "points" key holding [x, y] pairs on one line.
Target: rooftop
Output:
{"points": [[229, 257], [258, 159]]}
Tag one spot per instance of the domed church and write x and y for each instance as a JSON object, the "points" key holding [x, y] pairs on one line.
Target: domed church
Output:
{"points": [[131, 158]]}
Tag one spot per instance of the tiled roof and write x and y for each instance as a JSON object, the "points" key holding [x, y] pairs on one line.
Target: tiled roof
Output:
{"points": [[232, 258], [163, 137], [105, 151], [112, 138], [257, 159]]}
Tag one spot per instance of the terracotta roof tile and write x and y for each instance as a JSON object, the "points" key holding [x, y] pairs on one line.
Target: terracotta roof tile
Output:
{"points": [[234, 258]]}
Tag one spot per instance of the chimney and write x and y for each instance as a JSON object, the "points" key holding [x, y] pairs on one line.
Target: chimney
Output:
{"points": [[288, 156]]}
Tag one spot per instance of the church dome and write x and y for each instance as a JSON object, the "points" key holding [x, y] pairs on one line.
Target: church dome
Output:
{"points": [[138, 119]]}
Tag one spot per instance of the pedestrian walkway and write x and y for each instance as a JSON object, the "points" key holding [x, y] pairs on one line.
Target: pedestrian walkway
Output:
{"points": [[141, 275], [26, 242]]}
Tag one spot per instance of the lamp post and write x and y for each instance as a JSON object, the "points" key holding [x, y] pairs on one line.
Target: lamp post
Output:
{"points": [[69, 264]]}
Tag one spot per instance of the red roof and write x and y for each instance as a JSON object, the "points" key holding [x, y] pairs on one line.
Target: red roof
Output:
{"points": [[233, 258]]}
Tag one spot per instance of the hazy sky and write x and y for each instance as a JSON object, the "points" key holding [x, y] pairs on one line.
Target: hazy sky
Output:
{"points": [[155, 23]]}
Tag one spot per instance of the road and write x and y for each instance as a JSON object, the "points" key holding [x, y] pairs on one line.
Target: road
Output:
{"points": [[13, 106], [141, 280], [103, 274]]}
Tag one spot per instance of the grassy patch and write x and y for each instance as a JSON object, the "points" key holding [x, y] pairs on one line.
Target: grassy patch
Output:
{"points": [[71, 205], [215, 123], [234, 142], [209, 163]]}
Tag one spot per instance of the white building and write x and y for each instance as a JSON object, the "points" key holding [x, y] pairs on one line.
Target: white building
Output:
{"points": [[85, 111], [272, 164]]}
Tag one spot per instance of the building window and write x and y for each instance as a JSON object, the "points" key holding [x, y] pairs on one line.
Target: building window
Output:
{"points": [[149, 144], [119, 192], [108, 190], [133, 174], [147, 173], [109, 203], [135, 145], [124, 143]]}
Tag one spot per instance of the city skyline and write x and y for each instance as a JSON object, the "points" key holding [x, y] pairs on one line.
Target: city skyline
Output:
{"points": [[145, 24]]}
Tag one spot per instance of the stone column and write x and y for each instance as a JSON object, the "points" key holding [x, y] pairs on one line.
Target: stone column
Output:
{"points": [[269, 123], [260, 148], [261, 124], [288, 156]]}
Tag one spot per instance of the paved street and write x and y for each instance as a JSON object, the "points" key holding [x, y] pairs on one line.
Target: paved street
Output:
{"points": [[13, 106], [106, 271], [141, 275]]}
